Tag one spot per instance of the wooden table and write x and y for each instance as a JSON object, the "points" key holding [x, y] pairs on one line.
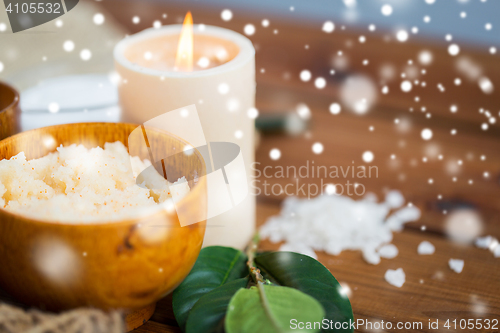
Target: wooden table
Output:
{"points": [[432, 291]]}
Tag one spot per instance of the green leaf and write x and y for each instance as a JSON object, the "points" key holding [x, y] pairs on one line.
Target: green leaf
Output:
{"points": [[216, 265], [208, 313], [310, 276], [272, 309]]}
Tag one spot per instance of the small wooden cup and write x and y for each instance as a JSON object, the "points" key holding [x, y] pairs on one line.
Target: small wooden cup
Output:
{"points": [[126, 265], [9, 111]]}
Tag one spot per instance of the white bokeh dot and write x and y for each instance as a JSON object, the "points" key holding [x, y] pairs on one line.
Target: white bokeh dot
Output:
{"points": [[406, 86], [488, 26], [402, 35], [98, 19], [275, 154], [238, 134], [386, 10], [320, 83], [53, 107], [328, 27], [368, 156], [305, 75], [426, 134], [203, 62], [85, 54], [136, 20], [188, 150], [252, 113], [303, 111], [486, 85], [330, 189], [3, 27], [317, 148], [223, 88], [265, 23], [249, 29], [157, 24], [233, 104], [453, 49], [68, 46], [425, 57], [226, 15], [335, 108], [59, 23], [1, 66]]}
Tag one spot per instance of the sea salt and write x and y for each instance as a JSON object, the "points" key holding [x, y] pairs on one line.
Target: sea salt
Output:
{"points": [[426, 248], [496, 251], [334, 223], [371, 256], [388, 251], [485, 242], [396, 277], [394, 199], [456, 265], [489, 243], [79, 185]]}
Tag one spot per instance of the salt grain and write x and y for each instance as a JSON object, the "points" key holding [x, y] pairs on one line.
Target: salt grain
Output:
{"points": [[334, 223], [456, 265], [496, 251], [485, 242], [388, 251], [396, 221], [394, 199], [489, 243], [395, 277], [426, 248], [371, 256], [79, 185]]}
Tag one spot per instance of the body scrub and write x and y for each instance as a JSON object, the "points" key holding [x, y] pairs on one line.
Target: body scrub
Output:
{"points": [[80, 185]]}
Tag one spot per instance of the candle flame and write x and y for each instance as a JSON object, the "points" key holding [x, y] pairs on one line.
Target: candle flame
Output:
{"points": [[184, 58]]}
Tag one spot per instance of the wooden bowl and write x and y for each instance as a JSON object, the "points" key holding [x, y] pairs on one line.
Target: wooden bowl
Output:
{"points": [[9, 111], [127, 265]]}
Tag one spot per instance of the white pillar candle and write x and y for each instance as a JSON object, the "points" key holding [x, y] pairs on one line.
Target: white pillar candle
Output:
{"points": [[221, 86]]}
